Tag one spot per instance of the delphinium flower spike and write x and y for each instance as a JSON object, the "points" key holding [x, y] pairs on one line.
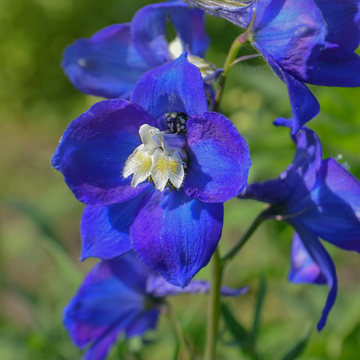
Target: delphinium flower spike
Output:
{"points": [[121, 296], [318, 198], [303, 41], [154, 172], [111, 62]]}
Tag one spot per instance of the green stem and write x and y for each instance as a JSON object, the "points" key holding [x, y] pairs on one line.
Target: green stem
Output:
{"points": [[231, 56], [235, 47], [214, 307], [237, 247], [184, 350]]}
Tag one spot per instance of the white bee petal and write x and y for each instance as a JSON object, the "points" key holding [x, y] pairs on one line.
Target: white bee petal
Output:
{"points": [[139, 163], [147, 134], [157, 157], [176, 48], [167, 167]]}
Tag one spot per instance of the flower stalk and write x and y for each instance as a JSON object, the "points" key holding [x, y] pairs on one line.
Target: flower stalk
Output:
{"points": [[235, 47], [184, 349], [214, 307], [231, 60], [238, 246], [218, 265]]}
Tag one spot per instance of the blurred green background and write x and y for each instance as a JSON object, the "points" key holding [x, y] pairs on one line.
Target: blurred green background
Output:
{"points": [[40, 245]]}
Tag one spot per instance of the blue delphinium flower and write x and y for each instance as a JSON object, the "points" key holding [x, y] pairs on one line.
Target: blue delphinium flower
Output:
{"points": [[154, 172], [121, 296], [111, 62], [319, 198], [304, 41]]}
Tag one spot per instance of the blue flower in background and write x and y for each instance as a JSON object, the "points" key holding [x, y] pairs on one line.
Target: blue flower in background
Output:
{"points": [[121, 296], [304, 41], [111, 62], [319, 198], [154, 172]]}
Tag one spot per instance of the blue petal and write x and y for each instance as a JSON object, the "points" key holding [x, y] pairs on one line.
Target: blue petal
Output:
{"points": [[303, 268], [148, 34], [148, 29], [94, 317], [209, 79], [100, 349], [158, 287], [323, 260], [219, 158], [105, 230], [299, 178], [304, 105], [343, 21], [271, 191], [190, 27], [283, 122], [238, 12], [345, 73], [145, 321], [292, 32], [306, 163], [308, 155], [176, 86], [94, 149], [226, 291], [105, 65], [335, 199], [131, 272], [175, 235]]}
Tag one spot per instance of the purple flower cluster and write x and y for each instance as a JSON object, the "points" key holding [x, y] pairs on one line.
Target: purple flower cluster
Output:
{"points": [[110, 63], [303, 41], [121, 296], [318, 198], [174, 229], [154, 165], [149, 185]]}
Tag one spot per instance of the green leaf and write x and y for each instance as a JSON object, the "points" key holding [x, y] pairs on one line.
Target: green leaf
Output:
{"points": [[121, 349], [36, 216], [235, 328], [259, 305], [298, 349], [49, 240], [65, 264], [176, 350], [240, 334]]}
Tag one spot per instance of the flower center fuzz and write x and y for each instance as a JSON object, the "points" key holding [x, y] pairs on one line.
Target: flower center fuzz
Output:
{"points": [[164, 166], [176, 122], [157, 158]]}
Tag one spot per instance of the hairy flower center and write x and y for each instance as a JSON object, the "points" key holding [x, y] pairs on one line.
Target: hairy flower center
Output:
{"points": [[159, 158], [176, 122], [144, 162], [163, 166]]}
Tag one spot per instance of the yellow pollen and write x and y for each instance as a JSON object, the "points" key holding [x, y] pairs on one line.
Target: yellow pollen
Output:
{"points": [[164, 166], [143, 162]]}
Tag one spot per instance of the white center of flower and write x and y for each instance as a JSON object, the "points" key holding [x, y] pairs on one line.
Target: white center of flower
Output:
{"points": [[176, 48], [157, 158]]}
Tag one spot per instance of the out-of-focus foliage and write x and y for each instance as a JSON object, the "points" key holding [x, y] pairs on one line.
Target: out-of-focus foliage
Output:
{"points": [[40, 246]]}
